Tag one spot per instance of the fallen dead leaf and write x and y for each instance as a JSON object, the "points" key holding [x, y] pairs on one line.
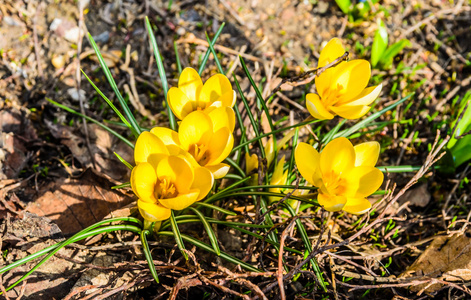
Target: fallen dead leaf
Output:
{"points": [[76, 203], [447, 258]]}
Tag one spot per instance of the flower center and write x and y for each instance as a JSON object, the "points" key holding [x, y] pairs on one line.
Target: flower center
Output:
{"points": [[165, 189], [334, 95], [334, 184], [200, 153]]}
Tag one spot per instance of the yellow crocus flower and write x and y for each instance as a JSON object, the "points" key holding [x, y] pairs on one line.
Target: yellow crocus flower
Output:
{"points": [[345, 175], [163, 181], [192, 95], [205, 140], [341, 90]]}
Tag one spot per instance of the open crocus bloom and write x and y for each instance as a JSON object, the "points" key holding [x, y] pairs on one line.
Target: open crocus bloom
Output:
{"points": [[205, 140], [345, 175], [192, 95], [341, 90], [163, 181]]}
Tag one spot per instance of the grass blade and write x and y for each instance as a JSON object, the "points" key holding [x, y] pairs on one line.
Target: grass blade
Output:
{"points": [[212, 43], [122, 160], [252, 119], [119, 136], [209, 231], [177, 58], [215, 207], [74, 239], [177, 235], [162, 75], [362, 124], [136, 130], [307, 245], [148, 255], [117, 112], [208, 248]]}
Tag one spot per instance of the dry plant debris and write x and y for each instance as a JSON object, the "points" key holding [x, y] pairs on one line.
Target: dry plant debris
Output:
{"points": [[414, 246]]}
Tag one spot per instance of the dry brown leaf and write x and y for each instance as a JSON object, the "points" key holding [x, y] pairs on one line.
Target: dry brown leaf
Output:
{"points": [[79, 202], [447, 258]]}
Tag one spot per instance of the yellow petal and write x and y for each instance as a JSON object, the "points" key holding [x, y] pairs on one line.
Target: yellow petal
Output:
{"points": [[155, 158], [357, 206], [179, 103], [213, 89], [190, 83], [182, 201], [331, 52], [366, 97], [177, 171], [143, 180], [153, 212], [352, 77], [324, 82], [338, 157], [362, 181], [146, 144], [251, 162], [269, 151], [277, 177], [222, 117], [331, 203], [204, 180], [218, 170], [307, 160], [220, 146], [316, 108], [196, 128], [350, 112], [366, 154], [166, 135]]}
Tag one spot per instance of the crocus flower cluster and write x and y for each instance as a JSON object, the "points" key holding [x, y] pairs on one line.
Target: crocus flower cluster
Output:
{"points": [[174, 169]]}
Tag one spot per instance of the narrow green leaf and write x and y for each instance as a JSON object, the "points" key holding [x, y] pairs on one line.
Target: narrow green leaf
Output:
{"points": [[228, 189], [380, 43], [122, 160], [251, 118], [392, 51], [119, 136], [148, 255], [162, 75], [136, 130], [312, 121], [259, 96], [307, 245], [212, 43], [177, 58], [215, 207], [344, 5], [121, 186], [209, 230], [208, 248], [329, 136], [235, 166], [177, 235], [110, 104], [365, 122], [74, 239]]}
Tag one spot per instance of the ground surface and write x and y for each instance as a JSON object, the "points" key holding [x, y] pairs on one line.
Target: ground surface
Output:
{"points": [[56, 175]]}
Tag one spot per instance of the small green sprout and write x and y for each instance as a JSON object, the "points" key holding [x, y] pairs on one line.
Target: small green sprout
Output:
{"points": [[381, 54]]}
